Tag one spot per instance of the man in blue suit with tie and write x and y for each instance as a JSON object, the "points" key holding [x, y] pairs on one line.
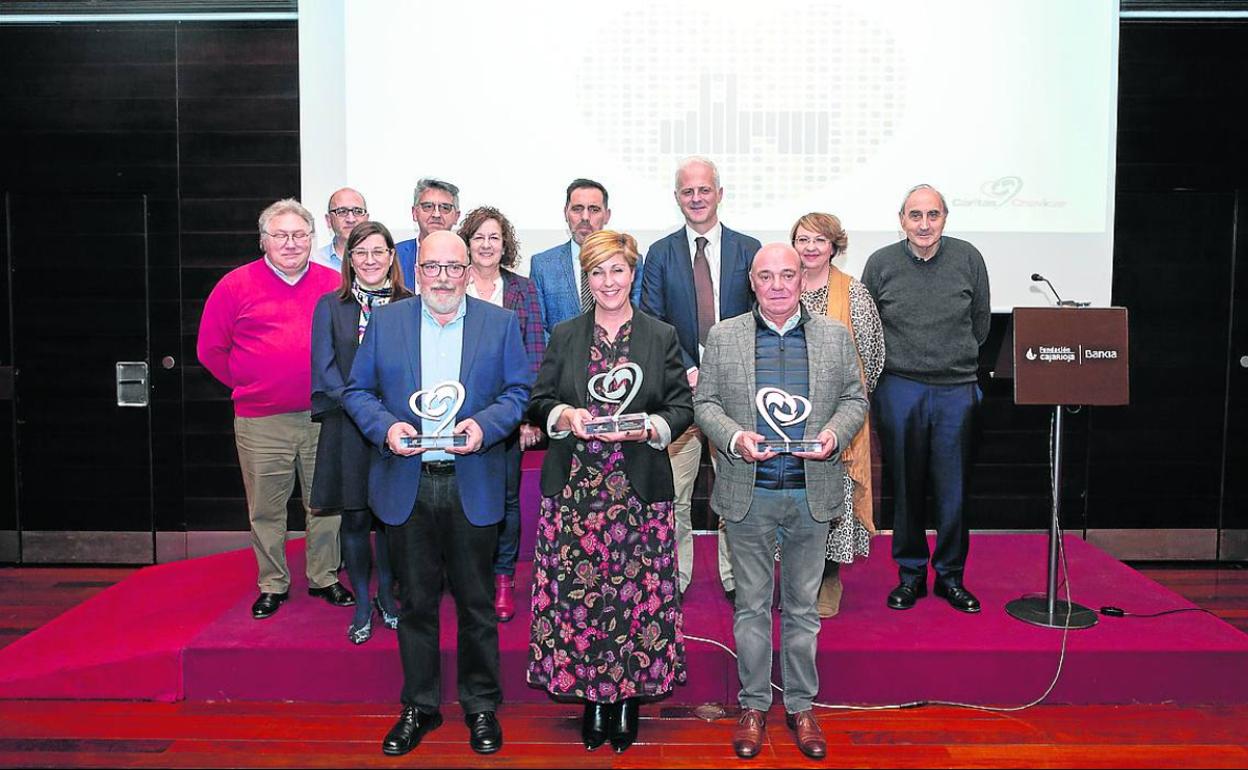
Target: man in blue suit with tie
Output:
{"points": [[441, 507], [556, 272], [435, 206], [694, 278]]}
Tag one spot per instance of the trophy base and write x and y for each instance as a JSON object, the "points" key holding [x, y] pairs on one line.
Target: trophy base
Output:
{"points": [[453, 440], [620, 423], [789, 447]]}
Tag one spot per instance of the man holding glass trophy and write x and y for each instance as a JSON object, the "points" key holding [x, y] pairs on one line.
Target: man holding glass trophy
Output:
{"points": [[780, 392], [439, 382]]}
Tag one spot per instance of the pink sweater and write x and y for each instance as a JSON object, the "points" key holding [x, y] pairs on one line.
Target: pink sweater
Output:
{"points": [[256, 337]]}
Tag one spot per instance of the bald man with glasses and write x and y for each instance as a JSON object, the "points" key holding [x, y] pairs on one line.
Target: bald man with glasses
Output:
{"points": [[346, 210]]}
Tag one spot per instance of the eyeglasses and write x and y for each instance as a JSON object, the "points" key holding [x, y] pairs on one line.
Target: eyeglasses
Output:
{"points": [[299, 237], [434, 269], [429, 206], [802, 241], [377, 254], [342, 211]]}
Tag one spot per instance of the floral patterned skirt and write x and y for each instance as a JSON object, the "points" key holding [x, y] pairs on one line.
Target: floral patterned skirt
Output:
{"points": [[606, 617]]}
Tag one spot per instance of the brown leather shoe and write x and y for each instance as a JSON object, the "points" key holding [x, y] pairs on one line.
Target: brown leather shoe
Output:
{"points": [[747, 741], [809, 736], [829, 602]]}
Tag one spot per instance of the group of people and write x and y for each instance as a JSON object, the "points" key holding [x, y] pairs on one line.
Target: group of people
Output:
{"points": [[721, 344]]}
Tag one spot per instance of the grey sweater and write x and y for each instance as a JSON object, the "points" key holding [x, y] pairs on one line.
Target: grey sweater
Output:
{"points": [[935, 313]]}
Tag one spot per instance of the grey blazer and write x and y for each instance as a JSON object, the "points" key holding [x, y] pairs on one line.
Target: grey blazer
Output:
{"points": [[724, 404]]}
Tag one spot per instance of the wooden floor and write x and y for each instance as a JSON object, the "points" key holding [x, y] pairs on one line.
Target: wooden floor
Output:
{"points": [[141, 734]]}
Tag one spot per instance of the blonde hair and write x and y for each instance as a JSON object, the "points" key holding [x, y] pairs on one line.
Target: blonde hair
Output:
{"points": [[605, 244], [827, 225]]}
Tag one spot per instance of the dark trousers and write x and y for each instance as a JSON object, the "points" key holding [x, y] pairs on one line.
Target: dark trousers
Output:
{"points": [[925, 436], [439, 542], [509, 527]]}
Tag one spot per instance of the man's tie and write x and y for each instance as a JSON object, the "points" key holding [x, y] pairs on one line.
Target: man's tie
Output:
{"points": [[705, 290], [587, 297]]}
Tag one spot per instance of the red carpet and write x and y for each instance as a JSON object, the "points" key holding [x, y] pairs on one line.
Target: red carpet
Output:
{"points": [[184, 630]]}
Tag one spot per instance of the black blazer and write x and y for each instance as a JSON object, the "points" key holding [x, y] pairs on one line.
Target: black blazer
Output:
{"points": [[342, 454], [563, 379]]}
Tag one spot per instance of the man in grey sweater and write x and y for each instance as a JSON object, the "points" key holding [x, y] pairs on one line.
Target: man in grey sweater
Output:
{"points": [[932, 293]]}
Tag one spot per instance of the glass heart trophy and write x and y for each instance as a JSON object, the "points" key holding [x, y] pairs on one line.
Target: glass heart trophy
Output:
{"points": [[618, 386], [438, 404], [781, 409]]}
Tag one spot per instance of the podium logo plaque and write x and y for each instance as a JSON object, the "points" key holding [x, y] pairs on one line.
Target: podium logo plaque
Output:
{"points": [[1071, 356]]}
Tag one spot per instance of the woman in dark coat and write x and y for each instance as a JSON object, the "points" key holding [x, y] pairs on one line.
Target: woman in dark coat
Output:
{"points": [[493, 252], [370, 278], [606, 615]]}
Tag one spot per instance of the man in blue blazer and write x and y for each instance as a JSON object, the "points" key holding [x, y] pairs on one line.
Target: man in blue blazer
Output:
{"points": [[442, 507], [556, 272], [435, 206], [695, 277]]}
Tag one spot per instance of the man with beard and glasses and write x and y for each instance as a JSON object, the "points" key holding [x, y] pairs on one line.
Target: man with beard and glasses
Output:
{"points": [[442, 507]]}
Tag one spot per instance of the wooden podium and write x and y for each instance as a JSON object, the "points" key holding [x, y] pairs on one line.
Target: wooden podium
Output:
{"points": [[1066, 356]]}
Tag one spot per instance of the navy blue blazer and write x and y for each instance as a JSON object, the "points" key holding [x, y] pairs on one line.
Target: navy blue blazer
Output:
{"points": [[405, 252], [667, 286], [496, 375], [342, 454], [551, 272]]}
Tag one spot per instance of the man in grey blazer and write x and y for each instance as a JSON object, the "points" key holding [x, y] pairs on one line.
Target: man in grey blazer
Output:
{"points": [[807, 368]]}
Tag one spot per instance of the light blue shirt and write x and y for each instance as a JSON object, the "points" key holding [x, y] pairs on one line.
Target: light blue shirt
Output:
{"points": [[440, 350], [328, 257]]}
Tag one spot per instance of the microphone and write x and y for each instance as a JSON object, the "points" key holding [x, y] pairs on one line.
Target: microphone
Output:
{"points": [[1060, 302]]}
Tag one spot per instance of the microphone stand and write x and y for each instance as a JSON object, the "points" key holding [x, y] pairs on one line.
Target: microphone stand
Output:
{"points": [[1049, 611]]}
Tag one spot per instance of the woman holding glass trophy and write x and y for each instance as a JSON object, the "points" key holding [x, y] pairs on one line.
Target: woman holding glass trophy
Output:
{"points": [[612, 394]]}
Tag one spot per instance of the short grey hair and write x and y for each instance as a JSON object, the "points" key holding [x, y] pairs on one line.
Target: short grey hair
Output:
{"points": [[429, 183], [697, 160], [943, 205], [286, 206]]}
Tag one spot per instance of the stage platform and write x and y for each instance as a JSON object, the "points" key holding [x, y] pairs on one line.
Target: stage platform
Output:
{"points": [[184, 631]]}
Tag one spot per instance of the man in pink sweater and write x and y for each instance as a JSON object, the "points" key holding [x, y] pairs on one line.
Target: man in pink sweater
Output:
{"points": [[256, 338]]}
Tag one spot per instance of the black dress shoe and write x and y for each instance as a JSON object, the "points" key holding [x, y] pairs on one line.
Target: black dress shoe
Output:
{"points": [[334, 594], [267, 604], [407, 732], [958, 597], [624, 726], [906, 594], [595, 724], [485, 734]]}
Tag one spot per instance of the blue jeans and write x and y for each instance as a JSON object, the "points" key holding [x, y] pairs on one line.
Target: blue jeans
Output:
{"points": [[925, 433], [782, 515]]}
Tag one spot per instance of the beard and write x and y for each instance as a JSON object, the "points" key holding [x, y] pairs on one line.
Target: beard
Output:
{"points": [[440, 303]]}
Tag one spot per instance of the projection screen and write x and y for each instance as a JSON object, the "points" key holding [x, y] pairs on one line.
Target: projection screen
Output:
{"points": [[1007, 106]]}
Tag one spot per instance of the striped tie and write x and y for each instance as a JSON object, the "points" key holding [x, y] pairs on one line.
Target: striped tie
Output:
{"points": [[587, 297]]}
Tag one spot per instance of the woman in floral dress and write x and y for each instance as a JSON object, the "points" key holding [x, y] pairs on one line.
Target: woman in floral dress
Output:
{"points": [[606, 615]]}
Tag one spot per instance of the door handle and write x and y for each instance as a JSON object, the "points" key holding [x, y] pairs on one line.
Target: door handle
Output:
{"points": [[132, 383]]}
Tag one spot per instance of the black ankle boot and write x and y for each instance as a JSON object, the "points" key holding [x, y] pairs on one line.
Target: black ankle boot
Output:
{"points": [[624, 726], [596, 724]]}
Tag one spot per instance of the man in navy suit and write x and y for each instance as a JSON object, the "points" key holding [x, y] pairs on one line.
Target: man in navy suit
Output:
{"points": [[441, 507], [556, 272], [435, 206], [693, 278]]}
